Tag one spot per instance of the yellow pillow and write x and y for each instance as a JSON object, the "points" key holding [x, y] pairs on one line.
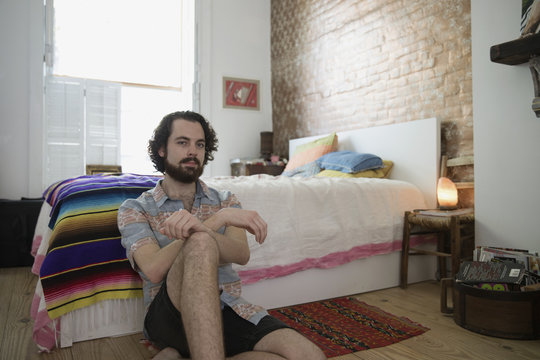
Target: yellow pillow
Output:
{"points": [[311, 151], [376, 173]]}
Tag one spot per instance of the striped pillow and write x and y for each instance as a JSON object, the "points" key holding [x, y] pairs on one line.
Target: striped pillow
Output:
{"points": [[311, 151]]}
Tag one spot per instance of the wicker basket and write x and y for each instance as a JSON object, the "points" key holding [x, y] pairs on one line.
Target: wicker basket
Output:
{"points": [[505, 314]]}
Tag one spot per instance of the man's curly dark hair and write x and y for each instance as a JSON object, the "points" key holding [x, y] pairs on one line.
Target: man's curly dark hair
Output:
{"points": [[163, 131]]}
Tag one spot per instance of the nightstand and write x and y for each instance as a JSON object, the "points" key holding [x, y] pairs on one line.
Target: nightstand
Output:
{"points": [[254, 169], [455, 232], [243, 167]]}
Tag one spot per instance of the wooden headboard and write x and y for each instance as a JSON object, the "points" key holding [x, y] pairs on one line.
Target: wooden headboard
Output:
{"points": [[413, 146]]}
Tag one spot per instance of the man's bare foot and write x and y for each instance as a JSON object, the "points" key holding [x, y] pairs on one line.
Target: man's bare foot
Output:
{"points": [[167, 354]]}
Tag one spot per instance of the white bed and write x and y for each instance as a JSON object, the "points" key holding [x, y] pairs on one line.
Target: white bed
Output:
{"points": [[413, 147]]}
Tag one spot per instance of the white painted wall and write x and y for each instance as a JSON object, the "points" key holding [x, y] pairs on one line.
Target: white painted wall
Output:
{"points": [[235, 42], [20, 98], [506, 133]]}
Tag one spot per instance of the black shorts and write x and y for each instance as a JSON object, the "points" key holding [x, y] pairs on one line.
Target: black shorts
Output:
{"points": [[163, 327]]}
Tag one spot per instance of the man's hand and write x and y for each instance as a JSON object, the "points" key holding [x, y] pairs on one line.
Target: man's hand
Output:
{"points": [[181, 224], [246, 219]]}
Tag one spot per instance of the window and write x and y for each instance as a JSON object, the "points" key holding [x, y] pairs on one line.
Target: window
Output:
{"points": [[114, 68], [83, 123]]}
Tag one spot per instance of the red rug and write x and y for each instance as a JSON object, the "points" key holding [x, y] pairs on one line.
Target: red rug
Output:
{"points": [[346, 325]]}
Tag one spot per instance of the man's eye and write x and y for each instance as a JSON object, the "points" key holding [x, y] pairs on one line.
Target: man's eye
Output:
{"points": [[200, 145]]}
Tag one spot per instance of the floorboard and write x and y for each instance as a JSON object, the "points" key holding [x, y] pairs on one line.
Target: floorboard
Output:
{"points": [[16, 284], [420, 303]]}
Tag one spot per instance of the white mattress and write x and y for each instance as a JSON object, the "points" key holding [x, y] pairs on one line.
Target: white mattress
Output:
{"points": [[320, 222]]}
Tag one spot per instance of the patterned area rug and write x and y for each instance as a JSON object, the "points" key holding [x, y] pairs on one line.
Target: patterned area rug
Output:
{"points": [[345, 325]]}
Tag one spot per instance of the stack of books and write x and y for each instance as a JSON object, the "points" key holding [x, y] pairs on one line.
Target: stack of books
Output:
{"points": [[501, 269]]}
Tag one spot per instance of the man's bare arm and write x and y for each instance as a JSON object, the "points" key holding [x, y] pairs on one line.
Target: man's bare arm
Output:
{"points": [[155, 262], [233, 244]]}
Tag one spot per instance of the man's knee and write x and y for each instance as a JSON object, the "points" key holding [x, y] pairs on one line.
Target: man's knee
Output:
{"points": [[201, 245]]}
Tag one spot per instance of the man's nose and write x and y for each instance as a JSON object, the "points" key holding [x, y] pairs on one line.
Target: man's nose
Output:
{"points": [[192, 149]]}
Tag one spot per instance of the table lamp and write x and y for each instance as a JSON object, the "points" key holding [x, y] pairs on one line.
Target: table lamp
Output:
{"points": [[447, 194]]}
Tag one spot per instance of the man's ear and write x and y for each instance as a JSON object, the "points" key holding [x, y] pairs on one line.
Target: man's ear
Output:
{"points": [[162, 151]]}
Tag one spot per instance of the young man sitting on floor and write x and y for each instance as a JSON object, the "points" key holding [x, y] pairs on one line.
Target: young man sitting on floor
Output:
{"points": [[182, 237]]}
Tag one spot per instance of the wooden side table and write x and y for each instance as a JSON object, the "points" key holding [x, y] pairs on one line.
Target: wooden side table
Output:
{"points": [[242, 168], [454, 241], [254, 169]]}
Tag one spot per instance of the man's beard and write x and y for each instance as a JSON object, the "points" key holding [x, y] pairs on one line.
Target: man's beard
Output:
{"points": [[184, 175]]}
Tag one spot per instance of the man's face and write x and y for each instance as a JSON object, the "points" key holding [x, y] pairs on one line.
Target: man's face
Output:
{"points": [[184, 155]]}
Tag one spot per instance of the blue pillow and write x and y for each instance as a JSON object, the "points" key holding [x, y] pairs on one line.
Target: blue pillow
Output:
{"points": [[349, 161]]}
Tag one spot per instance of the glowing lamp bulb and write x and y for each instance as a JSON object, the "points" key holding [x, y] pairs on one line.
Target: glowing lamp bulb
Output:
{"points": [[447, 194]]}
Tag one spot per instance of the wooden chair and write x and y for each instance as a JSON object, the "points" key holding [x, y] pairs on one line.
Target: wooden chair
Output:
{"points": [[460, 161], [455, 240]]}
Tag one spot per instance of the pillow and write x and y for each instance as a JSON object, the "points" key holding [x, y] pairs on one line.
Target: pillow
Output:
{"points": [[306, 170], [349, 161], [311, 151], [381, 173]]}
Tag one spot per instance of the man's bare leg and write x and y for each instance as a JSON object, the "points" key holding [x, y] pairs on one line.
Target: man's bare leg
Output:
{"points": [[289, 344], [167, 354], [172, 354], [192, 285]]}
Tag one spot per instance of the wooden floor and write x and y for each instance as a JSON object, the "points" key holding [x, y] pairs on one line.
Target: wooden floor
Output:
{"points": [[420, 303]]}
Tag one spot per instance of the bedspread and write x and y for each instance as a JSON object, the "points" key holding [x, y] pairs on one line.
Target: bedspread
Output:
{"points": [[82, 260], [85, 260], [320, 222]]}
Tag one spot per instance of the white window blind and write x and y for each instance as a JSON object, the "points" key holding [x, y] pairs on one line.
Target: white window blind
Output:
{"points": [[64, 136], [102, 123], [82, 126]]}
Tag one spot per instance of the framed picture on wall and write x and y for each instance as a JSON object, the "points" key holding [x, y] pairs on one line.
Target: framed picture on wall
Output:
{"points": [[240, 93]]}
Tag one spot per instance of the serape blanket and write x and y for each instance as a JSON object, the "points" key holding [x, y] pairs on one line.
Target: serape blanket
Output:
{"points": [[85, 261]]}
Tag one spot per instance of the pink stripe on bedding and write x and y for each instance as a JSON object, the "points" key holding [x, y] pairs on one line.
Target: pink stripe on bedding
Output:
{"points": [[44, 336], [38, 260], [328, 261], [35, 244], [44, 328]]}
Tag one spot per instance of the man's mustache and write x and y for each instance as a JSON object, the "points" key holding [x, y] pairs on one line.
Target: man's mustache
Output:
{"points": [[186, 160]]}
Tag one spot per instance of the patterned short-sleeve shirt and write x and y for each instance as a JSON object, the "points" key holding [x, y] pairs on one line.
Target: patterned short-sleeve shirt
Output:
{"points": [[139, 221]]}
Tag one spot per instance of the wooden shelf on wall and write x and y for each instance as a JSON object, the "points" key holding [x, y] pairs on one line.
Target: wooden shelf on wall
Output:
{"points": [[520, 51], [517, 51]]}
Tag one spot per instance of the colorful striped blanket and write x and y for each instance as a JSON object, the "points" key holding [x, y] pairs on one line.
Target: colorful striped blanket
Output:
{"points": [[85, 261]]}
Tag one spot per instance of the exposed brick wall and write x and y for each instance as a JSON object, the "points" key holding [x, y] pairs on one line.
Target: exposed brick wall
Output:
{"points": [[342, 64]]}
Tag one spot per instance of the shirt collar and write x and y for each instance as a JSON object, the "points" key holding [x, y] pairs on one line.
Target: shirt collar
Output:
{"points": [[201, 191]]}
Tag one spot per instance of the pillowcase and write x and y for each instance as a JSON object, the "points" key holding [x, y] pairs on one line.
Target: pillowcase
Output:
{"points": [[381, 173], [311, 151], [306, 170], [349, 161]]}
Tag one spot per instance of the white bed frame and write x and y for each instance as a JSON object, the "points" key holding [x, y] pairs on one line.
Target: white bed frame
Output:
{"points": [[414, 147]]}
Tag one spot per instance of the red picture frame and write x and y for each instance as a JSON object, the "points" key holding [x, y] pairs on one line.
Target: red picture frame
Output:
{"points": [[241, 93]]}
